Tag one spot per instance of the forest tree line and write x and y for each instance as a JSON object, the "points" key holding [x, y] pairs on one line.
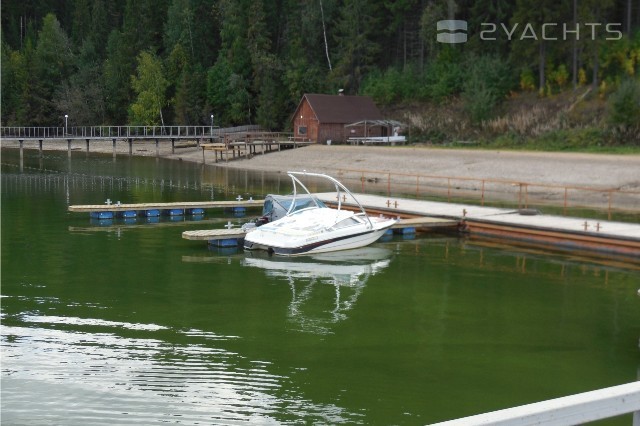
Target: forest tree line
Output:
{"points": [[176, 62]]}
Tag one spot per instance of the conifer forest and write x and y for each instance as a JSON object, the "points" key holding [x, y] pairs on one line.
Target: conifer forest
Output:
{"points": [[177, 62]]}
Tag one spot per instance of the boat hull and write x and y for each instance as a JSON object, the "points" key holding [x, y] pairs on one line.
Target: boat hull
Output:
{"points": [[345, 242]]}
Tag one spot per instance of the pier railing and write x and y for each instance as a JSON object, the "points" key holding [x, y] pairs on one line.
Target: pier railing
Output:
{"points": [[569, 410], [106, 132], [522, 195]]}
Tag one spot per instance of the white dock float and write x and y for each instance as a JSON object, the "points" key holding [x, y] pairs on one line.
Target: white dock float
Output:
{"points": [[213, 234], [218, 237], [565, 411]]}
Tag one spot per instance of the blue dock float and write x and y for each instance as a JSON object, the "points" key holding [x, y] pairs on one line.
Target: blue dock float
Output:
{"points": [[237, 211], [101, 215], [195, 212], [174, 212], [149, 213], [228, 242], [127, 214], [405, 231]]}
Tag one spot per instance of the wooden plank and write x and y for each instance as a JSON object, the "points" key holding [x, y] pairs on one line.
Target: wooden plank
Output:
{"points": [[164, 206], [425, 222], [213, 234]]}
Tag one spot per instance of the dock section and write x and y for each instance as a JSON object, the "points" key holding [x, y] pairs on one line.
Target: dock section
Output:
{"points": [[621, 238], [184, 205], [219, 236]]}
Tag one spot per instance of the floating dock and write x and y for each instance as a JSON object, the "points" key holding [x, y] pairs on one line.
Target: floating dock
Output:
{"points": [[620, 238], [191, 207], [229, 237]]}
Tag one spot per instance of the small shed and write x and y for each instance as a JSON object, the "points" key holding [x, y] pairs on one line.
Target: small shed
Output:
{"points": [[321, 118]]}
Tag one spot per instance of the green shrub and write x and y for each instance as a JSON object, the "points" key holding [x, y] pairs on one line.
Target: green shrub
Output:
{"points": [[624, 108], [487, 82]]}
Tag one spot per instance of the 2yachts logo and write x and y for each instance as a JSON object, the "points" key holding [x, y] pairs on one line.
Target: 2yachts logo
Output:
{"points": [[551, 31], [449, 37]]}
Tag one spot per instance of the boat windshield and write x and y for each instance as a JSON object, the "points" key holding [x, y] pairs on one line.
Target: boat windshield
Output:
{"points": [[277, 206], [300, 203]]}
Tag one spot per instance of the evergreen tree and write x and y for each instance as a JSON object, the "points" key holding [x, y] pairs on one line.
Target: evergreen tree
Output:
{"points": [[527, 41], [118, 68], [356, 49], [51, 65], [83, 96]]}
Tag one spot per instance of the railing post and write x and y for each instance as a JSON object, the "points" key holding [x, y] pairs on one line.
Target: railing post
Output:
{"points": [[482, 194], [388, 184]]}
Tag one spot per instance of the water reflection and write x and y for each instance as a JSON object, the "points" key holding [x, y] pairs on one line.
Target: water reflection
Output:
{"points": [[312, 308]]}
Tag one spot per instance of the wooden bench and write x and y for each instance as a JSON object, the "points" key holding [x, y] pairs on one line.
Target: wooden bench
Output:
{"points": [[216, 148]]}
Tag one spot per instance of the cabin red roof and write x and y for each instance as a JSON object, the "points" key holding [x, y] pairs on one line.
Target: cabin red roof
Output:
{"points": [[342, 109]]}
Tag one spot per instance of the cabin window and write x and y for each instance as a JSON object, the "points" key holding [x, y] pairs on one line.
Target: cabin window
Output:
{"points": [[302, 130]]}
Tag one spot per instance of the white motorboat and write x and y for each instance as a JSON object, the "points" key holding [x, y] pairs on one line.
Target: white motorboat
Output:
{"points": [[312, 227]]}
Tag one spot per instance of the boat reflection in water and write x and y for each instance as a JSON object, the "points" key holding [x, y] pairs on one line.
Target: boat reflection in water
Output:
{"points": [[325, 286]]}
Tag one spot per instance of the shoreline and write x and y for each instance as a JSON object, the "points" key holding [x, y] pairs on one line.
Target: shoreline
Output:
{"points": [[546, 175], [619, 171]]}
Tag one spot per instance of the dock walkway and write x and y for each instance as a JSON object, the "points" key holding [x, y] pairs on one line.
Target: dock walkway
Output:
{"points": [[183, 205], [420, 223], [563, 232]]}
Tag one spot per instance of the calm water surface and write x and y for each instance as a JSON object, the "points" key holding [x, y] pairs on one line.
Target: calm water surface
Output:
{"points": [[127, 323]]}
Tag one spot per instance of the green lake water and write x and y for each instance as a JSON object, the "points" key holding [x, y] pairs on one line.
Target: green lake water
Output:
{"points": [[127, 323]]}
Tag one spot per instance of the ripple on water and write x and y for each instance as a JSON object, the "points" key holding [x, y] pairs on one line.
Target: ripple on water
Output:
{"points": [[82, 374]]}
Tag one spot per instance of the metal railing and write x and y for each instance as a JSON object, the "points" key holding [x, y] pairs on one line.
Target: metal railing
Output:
{"points": [[569, 410], [496, 191], [63, 132]]}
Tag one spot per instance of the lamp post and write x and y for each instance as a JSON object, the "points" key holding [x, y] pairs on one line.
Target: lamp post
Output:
{"points": [[66, 116], [211, 131]]}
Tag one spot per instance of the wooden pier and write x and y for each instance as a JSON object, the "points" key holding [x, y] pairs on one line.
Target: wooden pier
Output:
{"points": [[230, 142], [246, 144]]}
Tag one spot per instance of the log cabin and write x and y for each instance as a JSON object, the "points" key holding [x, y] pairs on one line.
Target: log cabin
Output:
{"points": [[322, 118]]}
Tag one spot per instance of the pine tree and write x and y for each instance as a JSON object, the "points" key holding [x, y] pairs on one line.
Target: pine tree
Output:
{"points": [[52, 63], [356, 49]]}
